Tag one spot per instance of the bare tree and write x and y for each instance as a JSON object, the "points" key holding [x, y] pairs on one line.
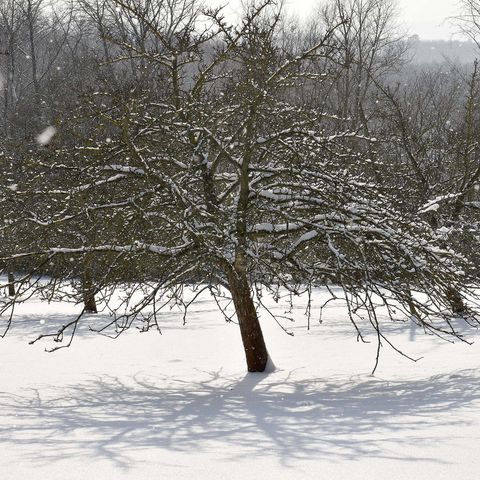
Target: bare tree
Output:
{"points": [[468, 19], [219, 177]]}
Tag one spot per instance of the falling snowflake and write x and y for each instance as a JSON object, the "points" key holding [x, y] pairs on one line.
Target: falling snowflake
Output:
{"points": [[46, 136]]}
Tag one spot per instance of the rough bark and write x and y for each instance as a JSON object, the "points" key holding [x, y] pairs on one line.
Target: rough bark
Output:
{"points": [[252, 337], [456, 301], [88, 286], [11, 284]]}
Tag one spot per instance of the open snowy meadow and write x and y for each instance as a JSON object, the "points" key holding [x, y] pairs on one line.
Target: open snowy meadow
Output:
{"points": [[180, 406]]}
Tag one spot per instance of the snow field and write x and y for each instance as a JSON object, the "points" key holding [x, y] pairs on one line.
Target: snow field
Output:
{"points": [[180, 405]]}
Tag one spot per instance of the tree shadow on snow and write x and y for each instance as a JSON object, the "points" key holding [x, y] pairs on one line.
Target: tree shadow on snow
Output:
{"points": [[105, 418], [28, 327]]}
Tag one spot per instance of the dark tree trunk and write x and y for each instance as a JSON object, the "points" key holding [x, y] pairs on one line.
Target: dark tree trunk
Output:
{"points": [[88, 287], [252, 337], [456, 301], [11, 284], [411, 304]]}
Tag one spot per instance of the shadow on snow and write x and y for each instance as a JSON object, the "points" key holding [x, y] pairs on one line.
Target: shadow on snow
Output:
{"points": [[105, 418]]}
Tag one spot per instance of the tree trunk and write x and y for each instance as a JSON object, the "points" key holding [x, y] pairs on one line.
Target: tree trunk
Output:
{"points": [[11, 284], [455, 300], [252, 337], [411, 304], [88, 288]]}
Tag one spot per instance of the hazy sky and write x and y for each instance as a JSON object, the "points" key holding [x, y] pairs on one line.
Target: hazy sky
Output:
{"points": [[423, 17], [427, 17]]}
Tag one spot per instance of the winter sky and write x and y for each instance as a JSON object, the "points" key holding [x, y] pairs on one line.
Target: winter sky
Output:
{"points": [[427, 18]]}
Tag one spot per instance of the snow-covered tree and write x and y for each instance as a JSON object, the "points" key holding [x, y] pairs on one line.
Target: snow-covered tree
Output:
{"points": [[217, 174]]}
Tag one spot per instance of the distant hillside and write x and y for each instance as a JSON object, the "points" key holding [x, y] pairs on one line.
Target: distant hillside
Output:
{"points": [[432, 51]]}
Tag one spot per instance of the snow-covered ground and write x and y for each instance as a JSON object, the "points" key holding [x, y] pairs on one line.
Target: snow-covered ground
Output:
{"points": [[180, 405]]}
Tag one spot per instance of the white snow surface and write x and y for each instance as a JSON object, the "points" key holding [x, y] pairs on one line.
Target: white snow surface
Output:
{"points": [[180, 405]]}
